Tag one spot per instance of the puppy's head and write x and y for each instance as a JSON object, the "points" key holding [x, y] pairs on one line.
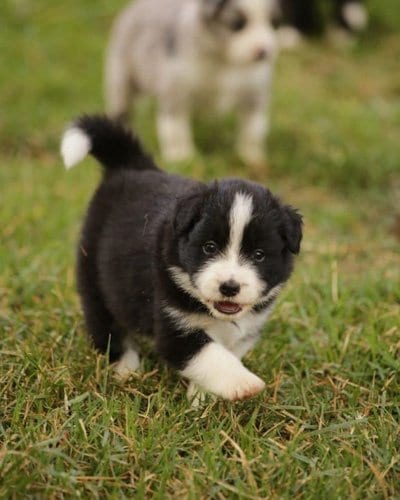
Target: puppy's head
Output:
{"points": [[235, 246], [241, 29]]}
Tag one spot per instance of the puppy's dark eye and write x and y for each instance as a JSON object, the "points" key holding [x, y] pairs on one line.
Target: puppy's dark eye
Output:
{"points": [[258, 255], [210, 248], [238, 23]]}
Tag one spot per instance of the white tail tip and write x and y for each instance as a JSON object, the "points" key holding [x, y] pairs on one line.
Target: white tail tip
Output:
{"points": [[75, 145]]}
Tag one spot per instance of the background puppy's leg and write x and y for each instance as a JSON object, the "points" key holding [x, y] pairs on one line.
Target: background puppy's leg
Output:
{"points": [[174, 132], [253, 129], [119, 89]]}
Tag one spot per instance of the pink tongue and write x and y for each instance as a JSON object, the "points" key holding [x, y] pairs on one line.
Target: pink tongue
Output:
{"points": [[227, 307]]}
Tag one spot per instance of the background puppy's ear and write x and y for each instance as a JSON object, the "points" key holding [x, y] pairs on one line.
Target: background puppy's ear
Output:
{"points": [[292, 228], [188, 212]]}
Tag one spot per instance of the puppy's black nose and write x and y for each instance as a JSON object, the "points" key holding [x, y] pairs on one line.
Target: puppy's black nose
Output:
{"points": [[229, 288], [260, 54]]}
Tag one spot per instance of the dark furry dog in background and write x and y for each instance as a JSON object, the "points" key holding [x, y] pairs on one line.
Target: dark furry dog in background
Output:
{"points": [[311, 17], [195, 266]]}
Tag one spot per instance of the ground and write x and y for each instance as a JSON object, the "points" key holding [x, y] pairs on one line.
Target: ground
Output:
{"points": [[328, 424]]}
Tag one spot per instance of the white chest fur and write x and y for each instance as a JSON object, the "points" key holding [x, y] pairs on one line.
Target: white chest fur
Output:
{"points": [[237, 336]]}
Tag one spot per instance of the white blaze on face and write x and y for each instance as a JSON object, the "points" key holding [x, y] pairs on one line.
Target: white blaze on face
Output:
{"points": [[230, 265], [239, 218]]}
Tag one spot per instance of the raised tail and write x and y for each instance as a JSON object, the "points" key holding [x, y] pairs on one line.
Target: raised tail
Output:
{"points": [[114, 146]]}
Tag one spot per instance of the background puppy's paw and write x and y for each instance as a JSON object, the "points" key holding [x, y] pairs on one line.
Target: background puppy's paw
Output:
{"points": [[258, 171], [254, 158], [178, 153]]}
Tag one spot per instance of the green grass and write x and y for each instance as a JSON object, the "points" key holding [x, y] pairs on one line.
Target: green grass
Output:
{"points": [[328, 424]]}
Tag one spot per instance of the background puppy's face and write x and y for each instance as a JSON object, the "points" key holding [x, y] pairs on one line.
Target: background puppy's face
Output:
{"points": [[242, 28], [236, 246]]}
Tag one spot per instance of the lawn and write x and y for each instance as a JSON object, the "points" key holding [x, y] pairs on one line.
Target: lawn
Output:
{"points": [[328, 424]]}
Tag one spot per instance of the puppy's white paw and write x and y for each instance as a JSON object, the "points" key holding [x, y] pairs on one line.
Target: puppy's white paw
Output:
{"points": [[127, 365], [216, 370], [247, 387]]}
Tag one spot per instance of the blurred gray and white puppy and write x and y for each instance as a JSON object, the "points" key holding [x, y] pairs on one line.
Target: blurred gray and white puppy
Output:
{"points": [[193, 53]]}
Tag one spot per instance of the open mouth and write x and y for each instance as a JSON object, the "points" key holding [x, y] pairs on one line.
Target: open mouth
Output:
{"points": [[226, 307]]}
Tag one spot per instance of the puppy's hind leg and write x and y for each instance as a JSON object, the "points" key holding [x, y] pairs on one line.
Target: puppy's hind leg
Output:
{"points": [[109, 337], [127, 364], [104, 331]]}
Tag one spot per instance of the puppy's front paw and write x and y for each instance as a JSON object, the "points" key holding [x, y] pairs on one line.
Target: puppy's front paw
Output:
{"points": [[216, 370], [247, 387]]}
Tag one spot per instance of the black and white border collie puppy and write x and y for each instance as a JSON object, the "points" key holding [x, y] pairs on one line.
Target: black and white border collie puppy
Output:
{"points": [[196, 266]]}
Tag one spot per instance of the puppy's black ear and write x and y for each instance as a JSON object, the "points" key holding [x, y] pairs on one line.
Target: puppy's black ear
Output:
{"points": [[292, 228], [188, 211]]}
